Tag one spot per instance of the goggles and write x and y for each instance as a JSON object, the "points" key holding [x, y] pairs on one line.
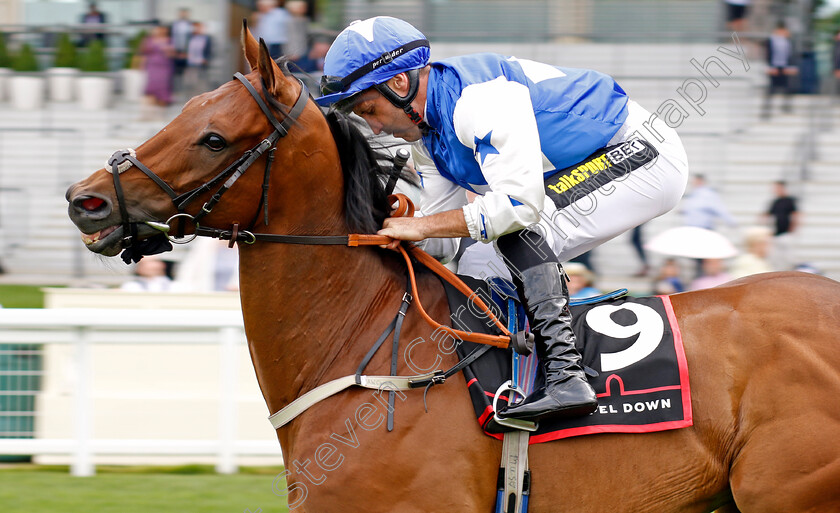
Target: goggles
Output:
{"points": [[335, 84]]}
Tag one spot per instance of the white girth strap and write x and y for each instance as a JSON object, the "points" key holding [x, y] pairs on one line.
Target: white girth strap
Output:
{"points": [[319, 393]]}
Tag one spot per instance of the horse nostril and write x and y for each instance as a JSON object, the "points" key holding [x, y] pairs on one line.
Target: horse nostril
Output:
{"points": [[90, 205]]}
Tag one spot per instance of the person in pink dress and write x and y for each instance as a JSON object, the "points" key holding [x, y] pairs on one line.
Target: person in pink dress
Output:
{"points": [[714, 274], [157, 51]]}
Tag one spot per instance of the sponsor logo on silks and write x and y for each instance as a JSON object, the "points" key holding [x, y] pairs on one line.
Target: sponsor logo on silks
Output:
{"points": [[483, 228], [575, 176]]}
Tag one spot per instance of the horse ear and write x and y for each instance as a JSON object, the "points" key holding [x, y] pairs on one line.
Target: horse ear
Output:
{"points": [[269, 70], [250, 45]]}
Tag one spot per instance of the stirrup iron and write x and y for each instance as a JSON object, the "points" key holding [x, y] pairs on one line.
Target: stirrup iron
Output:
{"points": [[522, 425]]}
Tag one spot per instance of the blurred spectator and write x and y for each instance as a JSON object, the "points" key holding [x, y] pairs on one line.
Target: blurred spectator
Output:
{"points": [[272, 25], [92, 17], [836, 62], [636, 241], [586, 259], [209, 266], [317, 52], [703, 206], [714, 274], [180, 31], [157, 53], [784, 217], [668, 280], [199, 51], [754, 259], [580, 281], [780, 68], [736, 14], [149, 276], [297, 47]]}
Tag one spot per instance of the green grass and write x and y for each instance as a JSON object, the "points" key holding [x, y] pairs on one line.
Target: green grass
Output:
{"points": [[21, 296], [191, 488]]}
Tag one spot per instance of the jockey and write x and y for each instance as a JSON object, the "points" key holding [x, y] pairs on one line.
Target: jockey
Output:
{"points": [[518, 134]]}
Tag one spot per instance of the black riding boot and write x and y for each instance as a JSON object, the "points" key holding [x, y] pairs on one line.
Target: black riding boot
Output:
{"points": [[566, 393]]}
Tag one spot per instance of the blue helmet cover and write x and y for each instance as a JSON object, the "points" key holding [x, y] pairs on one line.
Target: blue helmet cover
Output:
{"points": [[365, 41]]}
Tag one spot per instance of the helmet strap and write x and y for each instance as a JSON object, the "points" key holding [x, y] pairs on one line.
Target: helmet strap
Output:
{"points": [[404, 102]]}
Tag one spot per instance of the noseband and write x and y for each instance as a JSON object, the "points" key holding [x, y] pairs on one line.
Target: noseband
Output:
{"points": [[122, 160]]}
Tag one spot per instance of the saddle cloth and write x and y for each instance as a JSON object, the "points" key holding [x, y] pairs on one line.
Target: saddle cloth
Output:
{"points": [[634, 344]]}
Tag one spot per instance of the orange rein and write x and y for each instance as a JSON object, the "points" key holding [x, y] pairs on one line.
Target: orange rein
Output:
{"points": [[406, 208]]}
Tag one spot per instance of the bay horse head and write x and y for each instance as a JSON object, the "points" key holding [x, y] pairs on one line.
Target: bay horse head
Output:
{"points": [[257, 132]]}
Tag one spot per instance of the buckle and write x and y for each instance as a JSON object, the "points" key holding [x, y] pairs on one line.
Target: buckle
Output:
{"points": [[437, 378], [246, 237]]}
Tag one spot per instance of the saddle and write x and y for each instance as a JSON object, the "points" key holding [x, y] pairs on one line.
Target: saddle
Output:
{"points": [[631, 348]]}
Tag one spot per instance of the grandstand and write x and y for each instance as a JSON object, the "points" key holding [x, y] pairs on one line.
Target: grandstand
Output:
{"points": [[42, 152]]}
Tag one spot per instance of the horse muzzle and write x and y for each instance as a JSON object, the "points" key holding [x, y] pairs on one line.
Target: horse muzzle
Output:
{"points": [[94, 215]]}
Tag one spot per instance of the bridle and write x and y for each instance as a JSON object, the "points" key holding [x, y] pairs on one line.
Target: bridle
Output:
{"points": [[122, 160]]}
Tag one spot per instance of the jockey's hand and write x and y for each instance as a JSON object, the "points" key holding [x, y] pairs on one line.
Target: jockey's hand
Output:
{"points": [[450, 223], [402, 228]]}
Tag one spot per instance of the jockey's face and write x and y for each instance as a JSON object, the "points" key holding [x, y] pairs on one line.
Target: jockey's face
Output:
{"points": [[382, 116]]}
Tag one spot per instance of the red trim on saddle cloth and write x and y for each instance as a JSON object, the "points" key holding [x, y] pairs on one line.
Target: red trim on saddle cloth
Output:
{"points": [[678, 345], [482, 420], [488, 394]]}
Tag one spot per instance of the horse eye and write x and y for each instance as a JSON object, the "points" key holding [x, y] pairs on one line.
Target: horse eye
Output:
{"points": [[214, 142]]}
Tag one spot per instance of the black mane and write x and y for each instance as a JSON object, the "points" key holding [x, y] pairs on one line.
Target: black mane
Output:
{"points": [[365, 175]]}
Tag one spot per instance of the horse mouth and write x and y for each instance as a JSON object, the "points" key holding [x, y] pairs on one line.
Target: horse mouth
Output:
{"points": [[107, 242]]}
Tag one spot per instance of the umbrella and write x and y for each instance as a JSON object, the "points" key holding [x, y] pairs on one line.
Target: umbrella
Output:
{"points": [[692, 242]]}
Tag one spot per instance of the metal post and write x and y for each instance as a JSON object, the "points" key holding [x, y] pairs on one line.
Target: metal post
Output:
{"points": [[151, 9], [228, 360], [224, 52], [82, 465]]}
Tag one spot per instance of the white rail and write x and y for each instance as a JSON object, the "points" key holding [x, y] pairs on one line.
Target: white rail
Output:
{"points": [[88, 330]]}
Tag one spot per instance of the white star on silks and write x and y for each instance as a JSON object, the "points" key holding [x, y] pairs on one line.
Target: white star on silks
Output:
{"points": [[483, 147]]}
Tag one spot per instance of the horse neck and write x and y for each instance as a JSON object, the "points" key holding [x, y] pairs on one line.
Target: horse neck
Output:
{"points": [[305, 304], [311, 312], [307, 191]]}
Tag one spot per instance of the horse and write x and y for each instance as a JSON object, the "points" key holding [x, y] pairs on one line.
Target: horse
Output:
{"points": [[763, 352]]}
